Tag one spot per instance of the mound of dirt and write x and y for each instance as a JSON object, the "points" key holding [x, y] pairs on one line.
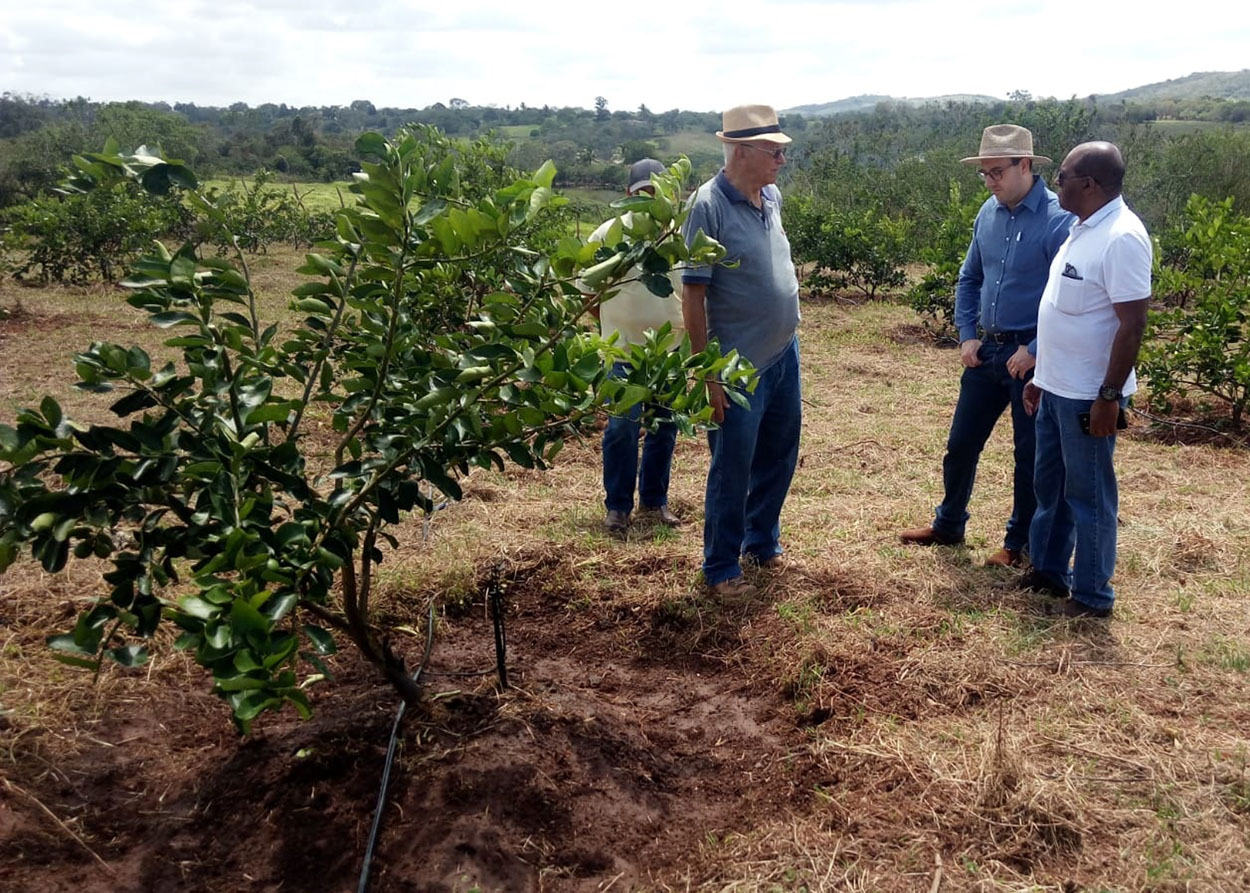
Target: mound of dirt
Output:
{"points": [[619, 747]]}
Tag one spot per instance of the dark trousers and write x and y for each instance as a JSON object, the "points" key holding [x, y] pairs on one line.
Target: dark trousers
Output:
{"points": [[984, 392]]}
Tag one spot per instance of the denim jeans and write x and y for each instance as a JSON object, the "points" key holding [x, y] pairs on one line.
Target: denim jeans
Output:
{"points": [[1077, 502], [620, 459], [754, 453], [984, 392]]}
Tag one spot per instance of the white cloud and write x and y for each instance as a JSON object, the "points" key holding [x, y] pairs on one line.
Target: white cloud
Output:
{"points": [[694, 55]]}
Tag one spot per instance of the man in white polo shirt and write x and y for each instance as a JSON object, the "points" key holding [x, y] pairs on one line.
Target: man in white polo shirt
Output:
{"points": [[1089, 329], [631, 313]]}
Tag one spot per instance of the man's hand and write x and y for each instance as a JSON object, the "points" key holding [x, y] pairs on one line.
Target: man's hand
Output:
{"points": [[968, 352], [1102, 418], [1032, 397], [717, 400], [1021, 362]]}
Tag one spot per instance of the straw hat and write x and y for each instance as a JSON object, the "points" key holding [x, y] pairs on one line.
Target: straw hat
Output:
{"points": [[751, 122], [1005, 141]]}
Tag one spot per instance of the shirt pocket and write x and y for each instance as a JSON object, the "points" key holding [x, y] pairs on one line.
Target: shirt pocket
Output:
{"points": [[1071, 296]]}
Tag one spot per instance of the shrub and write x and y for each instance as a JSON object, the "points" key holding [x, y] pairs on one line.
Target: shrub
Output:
{"points": [[432, 337], [255, 216], [1199, 340], [933, 297], [77, 237], [864, 250]]}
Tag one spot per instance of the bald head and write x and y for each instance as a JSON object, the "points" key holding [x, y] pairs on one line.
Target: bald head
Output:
{"points": [[1102, 161]]}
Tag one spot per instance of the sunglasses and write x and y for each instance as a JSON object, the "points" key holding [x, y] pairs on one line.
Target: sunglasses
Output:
{"points": [[777, 154]]}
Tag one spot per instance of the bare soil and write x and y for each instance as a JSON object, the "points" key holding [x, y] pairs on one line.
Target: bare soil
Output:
{"points": [[621, 744], [878, 718]]}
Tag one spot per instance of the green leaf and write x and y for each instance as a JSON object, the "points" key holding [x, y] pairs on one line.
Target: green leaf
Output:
{"points": [[321, 640], [68, 643], [198, 607], [51, 411], [130, 655], [245, 619], [545, 175], [182, 270], [272, 412], [133, 402], [371, 143], [429, 211], [75, 661], [173, 318]]}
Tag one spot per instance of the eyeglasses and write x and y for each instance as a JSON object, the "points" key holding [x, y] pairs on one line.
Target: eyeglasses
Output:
{"points": [[778, 154], [996, 173], [1061, 178]]}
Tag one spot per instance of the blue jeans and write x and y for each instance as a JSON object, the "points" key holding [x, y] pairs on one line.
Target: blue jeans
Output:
{"points": [[620, 459], [754, 453], [984, 392], [1077, 503]]}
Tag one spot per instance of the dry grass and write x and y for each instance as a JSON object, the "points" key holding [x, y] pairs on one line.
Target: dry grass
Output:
{"points": [[964, 739]]}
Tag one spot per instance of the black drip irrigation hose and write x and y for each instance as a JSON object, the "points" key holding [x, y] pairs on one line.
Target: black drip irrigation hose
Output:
{"points": [[497, 610], [495, 598], [390, 760]]}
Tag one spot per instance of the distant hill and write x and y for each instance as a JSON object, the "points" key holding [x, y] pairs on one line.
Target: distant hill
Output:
{"points": [[1216, 84], [869, 101]]}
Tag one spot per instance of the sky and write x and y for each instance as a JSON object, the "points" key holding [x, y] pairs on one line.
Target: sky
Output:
{"points": [[691, 55]]}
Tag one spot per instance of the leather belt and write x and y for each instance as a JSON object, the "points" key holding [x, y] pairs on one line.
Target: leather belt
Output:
{"points": [[1010, 337]]}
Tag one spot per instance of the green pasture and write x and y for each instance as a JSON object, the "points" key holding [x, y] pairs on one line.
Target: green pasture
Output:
{"points": [[690, 143], [315, 196]]}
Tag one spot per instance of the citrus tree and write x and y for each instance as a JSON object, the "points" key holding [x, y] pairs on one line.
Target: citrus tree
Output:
{"points": [[1198, 341], [439, 330], [933, 297]]}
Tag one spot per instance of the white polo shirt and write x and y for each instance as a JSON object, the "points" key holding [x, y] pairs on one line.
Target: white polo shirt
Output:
{"points": [[635, 309], [1106, 260]]}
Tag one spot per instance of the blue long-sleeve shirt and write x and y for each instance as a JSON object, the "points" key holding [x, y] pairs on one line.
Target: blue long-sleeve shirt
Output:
{"points": [[1005, 270]]}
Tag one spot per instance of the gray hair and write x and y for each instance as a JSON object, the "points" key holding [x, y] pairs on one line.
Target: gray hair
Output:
{"points": [[729, 150]]}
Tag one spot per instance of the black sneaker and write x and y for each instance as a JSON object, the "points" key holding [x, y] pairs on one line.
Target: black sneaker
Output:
{"points": [[1037, 581]]}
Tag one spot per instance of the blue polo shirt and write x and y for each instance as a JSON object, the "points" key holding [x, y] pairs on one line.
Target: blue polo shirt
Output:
{"points": [[1005, 271], [752, 307]]}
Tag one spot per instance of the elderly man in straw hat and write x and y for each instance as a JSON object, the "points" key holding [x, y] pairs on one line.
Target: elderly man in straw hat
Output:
{"points": [[1016, 235], [750, 305]]}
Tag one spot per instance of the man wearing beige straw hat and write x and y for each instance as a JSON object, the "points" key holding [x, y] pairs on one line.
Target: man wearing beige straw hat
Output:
{"points": [[751, 305], [1014, 238]]}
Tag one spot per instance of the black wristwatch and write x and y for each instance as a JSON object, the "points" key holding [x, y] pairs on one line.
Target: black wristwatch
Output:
{"points": [[1110, 393]]}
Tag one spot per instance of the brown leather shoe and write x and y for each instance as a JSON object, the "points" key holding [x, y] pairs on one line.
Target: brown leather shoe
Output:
{"points": [[775, 563], [927, 536], [616, 523], [1005, 557], [663, 514], [735, 589]]}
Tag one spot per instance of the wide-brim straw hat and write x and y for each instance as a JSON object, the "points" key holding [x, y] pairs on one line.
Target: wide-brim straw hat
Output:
{"points": [[999, 141], [746, 123]]}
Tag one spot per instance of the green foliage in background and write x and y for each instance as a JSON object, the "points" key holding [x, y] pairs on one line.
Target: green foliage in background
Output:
{"points": [[434, 339], [257, 215], [1200, 340], [76, 237], [862, 250], [933, 297]]}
